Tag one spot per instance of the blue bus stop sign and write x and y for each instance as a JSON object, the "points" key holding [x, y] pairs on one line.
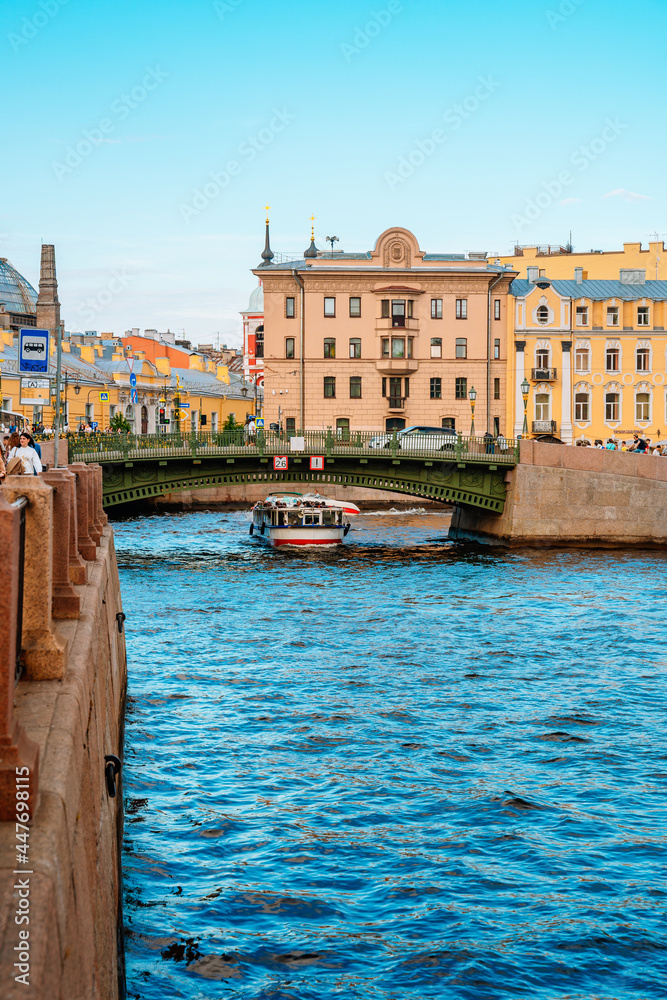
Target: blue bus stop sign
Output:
{"points": [[33, 352]]}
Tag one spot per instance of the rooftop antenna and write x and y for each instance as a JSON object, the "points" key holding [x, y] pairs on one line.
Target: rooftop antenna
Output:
{"points": [[332, 240], [657, 236]]}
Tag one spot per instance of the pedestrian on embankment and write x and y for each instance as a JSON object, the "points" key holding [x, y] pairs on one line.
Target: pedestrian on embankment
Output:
{"points": [[24, 460]]}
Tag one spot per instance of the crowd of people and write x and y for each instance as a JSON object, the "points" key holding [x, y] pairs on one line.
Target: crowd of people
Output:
{"points": [[20, 454], [640, 445]]}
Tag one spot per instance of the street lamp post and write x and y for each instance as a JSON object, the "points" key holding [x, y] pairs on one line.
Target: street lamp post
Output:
{"points": [[472, 395], [525, 389]]}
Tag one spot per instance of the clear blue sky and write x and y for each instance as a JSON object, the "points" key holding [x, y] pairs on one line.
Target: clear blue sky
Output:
{"points": [[317, 105]]}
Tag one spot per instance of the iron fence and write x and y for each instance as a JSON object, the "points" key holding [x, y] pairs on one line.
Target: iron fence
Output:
{"points": [[329, 443]]}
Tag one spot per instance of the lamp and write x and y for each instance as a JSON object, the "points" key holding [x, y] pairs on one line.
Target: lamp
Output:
{"points": [[244, 391], [525, 389], [77, 389], [472, 395]]}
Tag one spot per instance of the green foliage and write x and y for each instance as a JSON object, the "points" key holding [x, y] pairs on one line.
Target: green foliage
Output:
{"points": [[230, 423], [119, 423]]}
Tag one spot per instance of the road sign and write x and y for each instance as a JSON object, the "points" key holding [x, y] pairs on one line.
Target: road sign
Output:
{"points": [[35, 391], [33, 352], [185, 406], [317, 462], [104, 397], [280, 463], [183, 416], [259, 422], [133, 379], [94, 424], [134, 396]]}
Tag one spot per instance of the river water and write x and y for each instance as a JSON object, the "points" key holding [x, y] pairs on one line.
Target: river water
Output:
{"points": [[396, 771]]}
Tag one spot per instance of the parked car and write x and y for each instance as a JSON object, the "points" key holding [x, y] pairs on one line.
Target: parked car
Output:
{"points": [[418, 438]]}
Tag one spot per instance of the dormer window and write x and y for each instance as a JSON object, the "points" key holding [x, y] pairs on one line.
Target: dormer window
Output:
{"points": [[542, 315]]}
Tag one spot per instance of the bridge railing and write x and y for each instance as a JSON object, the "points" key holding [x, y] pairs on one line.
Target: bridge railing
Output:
{"points": [[128, 447]]}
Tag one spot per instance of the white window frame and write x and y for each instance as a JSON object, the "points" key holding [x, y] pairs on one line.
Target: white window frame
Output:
{"points": [[616, 389], [540, 311], [647, 314], [611, 312], [581, 316], [582, 345], [643, 345], [583, 391], [436, 349], [613, 345], [643, 388], [541, 391]]}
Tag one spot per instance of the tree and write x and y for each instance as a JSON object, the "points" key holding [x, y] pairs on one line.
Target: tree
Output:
{"points": [[120, 424], [230, 423]]}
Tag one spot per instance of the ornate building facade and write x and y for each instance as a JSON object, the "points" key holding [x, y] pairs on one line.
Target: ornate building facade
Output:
{"points": [[385, 338]]}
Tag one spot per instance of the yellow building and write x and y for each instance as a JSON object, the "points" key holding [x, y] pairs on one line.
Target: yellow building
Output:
{"points": [[592, 353], [560, 261]]}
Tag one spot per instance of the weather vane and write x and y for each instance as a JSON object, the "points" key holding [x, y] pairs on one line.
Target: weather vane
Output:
{"points": [[267, 209], [312, 227]]}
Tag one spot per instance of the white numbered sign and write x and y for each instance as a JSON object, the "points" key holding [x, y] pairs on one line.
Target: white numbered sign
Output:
{"points": [[280, 463]]}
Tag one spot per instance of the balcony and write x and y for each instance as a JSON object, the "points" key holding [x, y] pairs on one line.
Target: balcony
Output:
{"points": [[387, 323], [396, 402], [544, 374], [544, 426], [397, 366]]}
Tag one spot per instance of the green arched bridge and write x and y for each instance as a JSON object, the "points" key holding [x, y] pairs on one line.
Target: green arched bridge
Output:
{"points": [[468, 472]]}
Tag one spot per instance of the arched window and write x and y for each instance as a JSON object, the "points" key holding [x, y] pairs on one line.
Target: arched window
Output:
{"points": [[582, 402], [542, 314], [643, 358], [129, 413], [582, 357], [642, 406], [542, 356], [612, 358]]}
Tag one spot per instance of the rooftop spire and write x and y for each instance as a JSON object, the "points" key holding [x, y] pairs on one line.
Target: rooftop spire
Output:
{"points": [[48, 306], [267, 253], [312, 249]]}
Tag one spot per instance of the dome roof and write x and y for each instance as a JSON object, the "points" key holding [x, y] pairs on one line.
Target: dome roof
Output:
{"points": [[16, 294], [256, 303]]}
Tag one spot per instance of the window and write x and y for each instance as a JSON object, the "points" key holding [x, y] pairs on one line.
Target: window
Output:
{"points": [[542, 357], [642, 405], [259, 341], [496, 388], [542, 315], [461, 388], [329, 306], [385, 309], [436, 388], [398, 347], [643, 359], [290, 425], [449, 422], [611, 406], [355, 386], [581, 407], [461, 308], [436, 308], [612, 359], [355, 347], [582, 359], [395, 398], [385, 347], [496, 426], [290, 311], [496, 348], [543, 406], [643, 316], [612, 316], [461, 347], [411, 308], [329, 347], [410, 343], [343, 429], [355, 306], [384, 387], [289, 347], [329, 387], [496, 308], [398, 312], [436, 347], [582, 316], [407, 387]]}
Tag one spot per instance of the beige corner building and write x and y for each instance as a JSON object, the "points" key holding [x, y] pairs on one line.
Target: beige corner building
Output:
{"points": [[385, 338]]}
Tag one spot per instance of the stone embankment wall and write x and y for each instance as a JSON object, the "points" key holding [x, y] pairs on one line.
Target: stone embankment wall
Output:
{"points": [[247, 495], [564, 496], [60, 916]]}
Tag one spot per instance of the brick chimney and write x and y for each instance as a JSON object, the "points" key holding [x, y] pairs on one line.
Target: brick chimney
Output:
{"points": [[48, 306]]}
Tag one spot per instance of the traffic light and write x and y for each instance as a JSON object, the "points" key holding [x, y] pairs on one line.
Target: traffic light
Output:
{"points": [[162, 415], [177, 414]]}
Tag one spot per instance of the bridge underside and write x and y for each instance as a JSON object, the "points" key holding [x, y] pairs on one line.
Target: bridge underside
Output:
{"points": [[466, 484]]}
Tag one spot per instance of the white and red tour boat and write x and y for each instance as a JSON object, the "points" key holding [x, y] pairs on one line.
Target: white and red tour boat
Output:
{"points": [[301, 519]]}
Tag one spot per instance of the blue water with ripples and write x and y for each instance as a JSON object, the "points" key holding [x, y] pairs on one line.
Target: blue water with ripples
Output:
{"points": [[396, 771]]}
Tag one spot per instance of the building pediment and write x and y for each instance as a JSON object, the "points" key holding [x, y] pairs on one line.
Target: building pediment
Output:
{"points": [[396, 247]]}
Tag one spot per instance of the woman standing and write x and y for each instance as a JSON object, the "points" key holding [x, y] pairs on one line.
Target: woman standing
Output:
{"points": [[27, 455]]}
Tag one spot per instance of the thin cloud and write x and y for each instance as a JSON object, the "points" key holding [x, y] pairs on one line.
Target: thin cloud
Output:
{"points": [[626, 195]]}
